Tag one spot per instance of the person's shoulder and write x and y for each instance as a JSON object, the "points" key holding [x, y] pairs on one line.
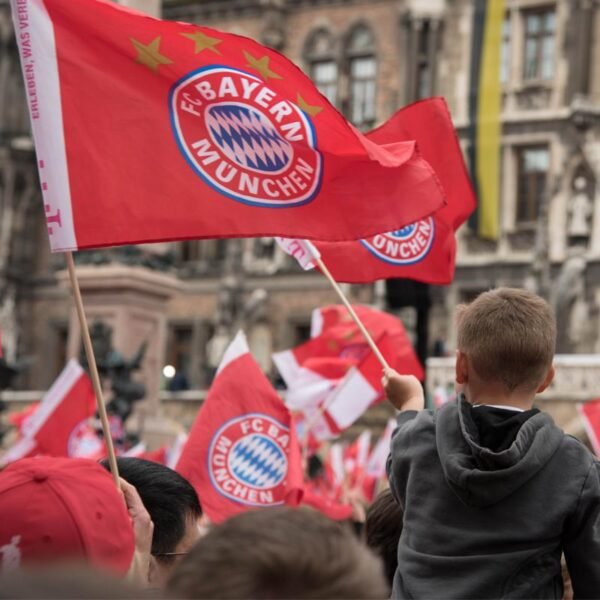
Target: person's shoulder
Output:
{"points": [[419, 419], [579, 457]]}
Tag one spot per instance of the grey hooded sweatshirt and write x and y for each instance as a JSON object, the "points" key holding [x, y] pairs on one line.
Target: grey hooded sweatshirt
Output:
{"points": [[482, 523]]}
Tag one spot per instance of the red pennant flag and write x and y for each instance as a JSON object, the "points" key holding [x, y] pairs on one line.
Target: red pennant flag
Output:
{"points": [[425, 250], [61, 424], [590, 414], [150, 130], [242, 451]]}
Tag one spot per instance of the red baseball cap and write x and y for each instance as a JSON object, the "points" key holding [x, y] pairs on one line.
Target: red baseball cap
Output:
{"points": [[58, 509]]}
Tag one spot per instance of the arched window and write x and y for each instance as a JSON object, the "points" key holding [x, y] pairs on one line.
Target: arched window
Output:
{"points": [[319, 55], [362, 72]]}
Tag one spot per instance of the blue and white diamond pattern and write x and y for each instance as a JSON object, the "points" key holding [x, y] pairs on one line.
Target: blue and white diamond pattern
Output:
{"points": [[257, 461], [248, 138]]}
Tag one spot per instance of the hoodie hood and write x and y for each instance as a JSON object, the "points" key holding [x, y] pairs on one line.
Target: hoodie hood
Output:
{"points": [[478, 475]]}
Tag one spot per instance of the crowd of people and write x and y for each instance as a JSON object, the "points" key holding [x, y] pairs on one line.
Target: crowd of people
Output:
{"points": [[488, 498]]}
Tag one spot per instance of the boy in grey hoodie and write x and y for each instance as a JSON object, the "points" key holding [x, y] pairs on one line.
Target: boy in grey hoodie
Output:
{"points": [[492, 490]]}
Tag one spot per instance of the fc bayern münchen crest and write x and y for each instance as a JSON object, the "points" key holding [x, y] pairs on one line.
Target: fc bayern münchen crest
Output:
{"points": [[247, 460], [406, 246], [244, 139]]}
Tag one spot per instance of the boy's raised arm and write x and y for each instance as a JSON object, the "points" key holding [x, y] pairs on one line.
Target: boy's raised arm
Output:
{"points": [[404, 392]]}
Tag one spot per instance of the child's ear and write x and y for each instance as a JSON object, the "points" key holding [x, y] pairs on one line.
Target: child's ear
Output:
{"points": [[547, 380], [462, 368]]}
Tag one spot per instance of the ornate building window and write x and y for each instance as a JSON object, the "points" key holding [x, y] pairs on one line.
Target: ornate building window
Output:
{"points": [[533, 163], [319, 55], [362, 72], [423, 84], [422, 44], [540, 26]]}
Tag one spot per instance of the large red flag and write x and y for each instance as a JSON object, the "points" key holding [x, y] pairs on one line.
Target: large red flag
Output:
{"points": [[425, 250], [149, 130], [60, 426], [242, 451]]}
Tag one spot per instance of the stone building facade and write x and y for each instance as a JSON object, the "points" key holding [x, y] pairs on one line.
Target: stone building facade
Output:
{"points": [[369, 57]]}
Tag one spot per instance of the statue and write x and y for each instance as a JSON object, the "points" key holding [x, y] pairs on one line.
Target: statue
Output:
{"points": [[113, 366], [571, 307], [580, 211]]}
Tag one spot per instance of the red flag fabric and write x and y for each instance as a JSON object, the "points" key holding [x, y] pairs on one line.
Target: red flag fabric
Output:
{"points": [[61, 424], [425, 250], [314, 368], [590, 414], [242, 451], [150, 130], [360, 388]]}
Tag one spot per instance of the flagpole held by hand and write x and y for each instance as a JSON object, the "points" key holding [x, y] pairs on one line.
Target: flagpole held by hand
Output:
{"points": [[316, 255], [91, 359]]}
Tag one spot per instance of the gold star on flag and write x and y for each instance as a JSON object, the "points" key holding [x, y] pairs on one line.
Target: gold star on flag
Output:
{"points": [[149, 54], [203, 42], [309, 109], [261, 65]]}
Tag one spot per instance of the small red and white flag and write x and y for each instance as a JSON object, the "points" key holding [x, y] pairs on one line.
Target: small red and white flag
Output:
{"points": [[338, 356], [61, 424], [590, 414], [242, 451]]}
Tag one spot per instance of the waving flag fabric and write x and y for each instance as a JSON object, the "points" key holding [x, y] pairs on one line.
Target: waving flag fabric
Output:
{"points": [[150, 130], [242, 451], [425, 250], [334, 377], [337, 344], [60, 425]]}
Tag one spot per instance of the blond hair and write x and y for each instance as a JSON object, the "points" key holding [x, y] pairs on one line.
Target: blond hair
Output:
{"points": [[509, 336]]}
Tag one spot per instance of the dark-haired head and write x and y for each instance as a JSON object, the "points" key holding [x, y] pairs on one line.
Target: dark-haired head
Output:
{"points": [[173, 506], [383, 528]]}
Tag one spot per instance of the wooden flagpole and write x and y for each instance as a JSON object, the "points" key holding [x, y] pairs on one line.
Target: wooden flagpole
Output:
{"points": [[91, 359], [317, 258]]}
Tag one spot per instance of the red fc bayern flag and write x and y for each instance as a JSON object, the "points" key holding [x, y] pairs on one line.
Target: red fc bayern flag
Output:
{"points": [[150, 130], [60, 426], [426, 249], [242, 451]]}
